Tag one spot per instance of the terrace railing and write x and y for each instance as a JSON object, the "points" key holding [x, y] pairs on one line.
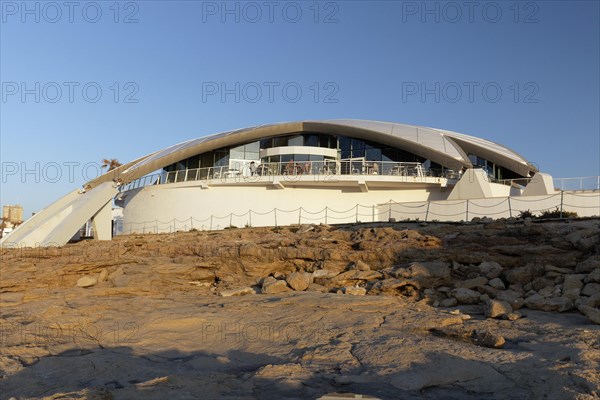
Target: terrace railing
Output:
{"points": [[286, 169], [581, 183]]}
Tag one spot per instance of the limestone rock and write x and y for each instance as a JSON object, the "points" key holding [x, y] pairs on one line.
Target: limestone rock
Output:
{"points": [[487, 290], [540, 283], [497, 283], [537, 302], [355, 290], [591, 289], [237, 292], [592, 301], [103, 275], [324, 273], [119, 278], [357, 275], [87, 281], [584, 239], [429, 274], [497, 308], [524, 274], [272, 286], [359, 265], [313, 287], [573, 282], [299, 280], [472, 283], [465, 296], [552, 268], [592, 313], [593, 276], [487, 338], [588, 265], [546, 291], [512, 316], [451, 302], [512, 297], [491, 269]]}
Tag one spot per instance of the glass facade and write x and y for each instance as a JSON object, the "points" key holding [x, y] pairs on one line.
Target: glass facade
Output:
{"points": [[357, 150], [493, 170], [311, 139]]}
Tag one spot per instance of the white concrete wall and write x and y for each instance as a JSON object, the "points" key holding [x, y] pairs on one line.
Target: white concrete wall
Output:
{"points": [[584, 203], [186, 205]]}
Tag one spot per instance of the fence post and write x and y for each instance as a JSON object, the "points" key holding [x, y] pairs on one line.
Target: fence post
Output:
{"points": [[210, 228], [325, 215], [299, 215], [561, 203], [230, 219], [373, 217], [191, 223], [509, 208], [390, 211], [467, 211], [275, 211], [250, 218], [174, 226], [357, 213], [427, 211]]}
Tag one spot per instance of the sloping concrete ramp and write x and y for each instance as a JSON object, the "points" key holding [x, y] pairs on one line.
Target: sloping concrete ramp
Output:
{"points": [[57, 224]]}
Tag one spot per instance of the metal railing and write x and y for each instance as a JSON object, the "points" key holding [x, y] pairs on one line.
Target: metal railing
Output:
{"points": [[580, 183], [248, 171], [517, 182]]}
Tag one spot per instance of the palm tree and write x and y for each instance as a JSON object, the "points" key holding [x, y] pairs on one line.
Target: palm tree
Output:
{"points": [[111, 163], [3, 225]]}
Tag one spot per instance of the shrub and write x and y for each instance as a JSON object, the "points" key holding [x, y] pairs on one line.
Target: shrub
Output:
{"points": [[557, 214], [526, 214]]}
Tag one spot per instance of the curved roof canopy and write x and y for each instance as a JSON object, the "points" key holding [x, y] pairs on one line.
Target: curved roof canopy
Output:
{"points": [[446, 148]]}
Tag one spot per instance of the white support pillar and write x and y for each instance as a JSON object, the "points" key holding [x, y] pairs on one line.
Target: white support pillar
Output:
{"points": [[102, 223]]}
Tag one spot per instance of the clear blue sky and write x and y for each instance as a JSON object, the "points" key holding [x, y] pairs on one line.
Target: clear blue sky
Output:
{"points": [[369, 60]]}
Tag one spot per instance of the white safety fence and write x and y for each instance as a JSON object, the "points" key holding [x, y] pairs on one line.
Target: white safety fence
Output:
{"points": [[584, 203]]}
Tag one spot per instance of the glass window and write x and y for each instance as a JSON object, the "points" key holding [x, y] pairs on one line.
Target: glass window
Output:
{"points": [[207, 159], [252, 147], [373, 154], [237, 153], [280, 141], [266, 143], [358, 153], [193, 162], [357, 144], [221, 158], [311, 140], [345, 144], [251, 155], [295, 141]]}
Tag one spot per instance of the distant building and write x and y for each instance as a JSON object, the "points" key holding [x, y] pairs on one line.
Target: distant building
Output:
{"points": [[12, 216]]}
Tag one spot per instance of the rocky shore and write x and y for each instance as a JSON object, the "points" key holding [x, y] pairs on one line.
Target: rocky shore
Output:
{"points": [[487, 309]]}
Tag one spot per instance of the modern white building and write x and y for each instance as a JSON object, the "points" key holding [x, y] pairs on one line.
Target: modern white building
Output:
{"points": [[289, 173]]}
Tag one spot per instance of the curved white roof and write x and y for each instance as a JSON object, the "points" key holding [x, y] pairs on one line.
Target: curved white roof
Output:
{"points": [[441, 146]]}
